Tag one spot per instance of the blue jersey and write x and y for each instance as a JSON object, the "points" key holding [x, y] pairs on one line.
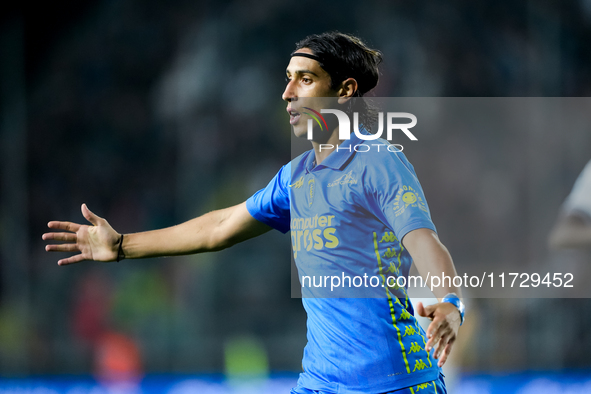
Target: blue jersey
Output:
{"points": [[347, 218]]}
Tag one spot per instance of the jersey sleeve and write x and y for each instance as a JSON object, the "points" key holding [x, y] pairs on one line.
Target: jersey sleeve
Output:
{"points": [[579, 200], [398, 198], [270, 205]]}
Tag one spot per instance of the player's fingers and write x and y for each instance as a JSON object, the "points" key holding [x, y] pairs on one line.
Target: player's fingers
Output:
{"points": [[68, 226], [434, 326], [62, 248], [446, 352], [72, 260], [425, 311], [421, 309], [67, 237], [90, 216], [443, 340], [433, 333]]}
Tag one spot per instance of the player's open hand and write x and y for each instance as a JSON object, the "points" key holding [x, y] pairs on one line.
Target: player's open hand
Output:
{"points": [[443, 330], [98, 242]]}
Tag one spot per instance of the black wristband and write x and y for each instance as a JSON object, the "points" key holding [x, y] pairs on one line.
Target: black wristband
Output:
{"points": [[120, 254]]}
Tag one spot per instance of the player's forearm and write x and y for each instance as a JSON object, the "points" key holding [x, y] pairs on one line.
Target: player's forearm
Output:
{"points": [[438, 263], [202, 234], [432, 259]]}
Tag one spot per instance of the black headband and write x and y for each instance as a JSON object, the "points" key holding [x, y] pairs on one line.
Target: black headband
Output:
{"points": [[308, 55], [326, 64]]}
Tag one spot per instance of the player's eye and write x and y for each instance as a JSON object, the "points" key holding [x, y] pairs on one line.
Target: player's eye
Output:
{"points": [[287, 79], [306, 80]]}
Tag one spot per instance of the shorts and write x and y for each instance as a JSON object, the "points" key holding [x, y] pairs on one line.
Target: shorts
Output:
{"points": [[432, 387]]}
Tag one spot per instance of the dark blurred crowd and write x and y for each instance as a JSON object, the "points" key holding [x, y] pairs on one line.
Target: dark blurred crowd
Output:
{"points": [[155, 112]]}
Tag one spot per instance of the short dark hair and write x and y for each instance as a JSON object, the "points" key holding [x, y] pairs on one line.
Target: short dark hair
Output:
{"points": [[345, 56]]}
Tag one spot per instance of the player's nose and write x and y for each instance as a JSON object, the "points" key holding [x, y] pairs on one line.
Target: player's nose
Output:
{"points": [[289, 93]]}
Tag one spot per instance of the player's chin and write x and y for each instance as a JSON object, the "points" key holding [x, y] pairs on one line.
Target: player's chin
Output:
{"points": [[299, 131]]}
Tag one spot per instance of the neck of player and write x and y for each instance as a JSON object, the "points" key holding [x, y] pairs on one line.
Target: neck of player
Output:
{"points": [[325, 148]]}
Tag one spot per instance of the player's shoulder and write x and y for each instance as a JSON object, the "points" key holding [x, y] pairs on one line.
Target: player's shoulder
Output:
{"points": [[286, 172], [301, 157], [379, 154], [382, 167], [300, 161]]}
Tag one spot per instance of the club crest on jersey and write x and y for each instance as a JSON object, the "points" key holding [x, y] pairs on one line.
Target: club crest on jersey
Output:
{"points": [[311, 186], [346, 179]]}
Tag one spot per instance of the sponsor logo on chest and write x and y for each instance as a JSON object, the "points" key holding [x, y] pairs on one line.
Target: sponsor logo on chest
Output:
{"points": [[345, 179]]}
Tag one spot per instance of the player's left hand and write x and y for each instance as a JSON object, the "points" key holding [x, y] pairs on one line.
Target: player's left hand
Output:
{"points": [[443, 330]]}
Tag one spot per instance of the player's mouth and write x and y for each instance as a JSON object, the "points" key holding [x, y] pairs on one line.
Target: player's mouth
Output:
{"points": [[294, 116]]}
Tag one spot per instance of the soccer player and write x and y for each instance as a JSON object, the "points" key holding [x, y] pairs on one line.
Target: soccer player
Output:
{"points": [[350, 214]]}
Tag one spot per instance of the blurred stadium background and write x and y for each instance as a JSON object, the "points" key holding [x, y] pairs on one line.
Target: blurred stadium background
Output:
{"points": [[153, 112]]}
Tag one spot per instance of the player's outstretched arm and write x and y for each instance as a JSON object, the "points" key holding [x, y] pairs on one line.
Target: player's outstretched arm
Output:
{"points": [[432, 257], [215, 230]]}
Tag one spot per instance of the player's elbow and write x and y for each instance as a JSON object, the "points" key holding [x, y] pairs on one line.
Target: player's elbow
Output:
{"points": [[223, 234], [219, 238], [231, 226]]}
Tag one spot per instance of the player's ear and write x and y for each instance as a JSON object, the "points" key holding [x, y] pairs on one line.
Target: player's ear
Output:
{"points": [[347, 90]]}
